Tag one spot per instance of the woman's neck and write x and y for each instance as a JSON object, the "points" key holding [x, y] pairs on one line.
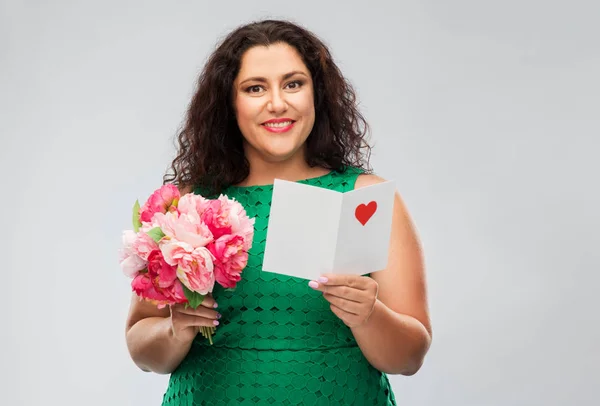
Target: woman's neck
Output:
{"points": [[263, 172]]}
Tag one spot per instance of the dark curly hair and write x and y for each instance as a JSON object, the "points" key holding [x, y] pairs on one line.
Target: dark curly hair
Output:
{"points": [[210, 153]]}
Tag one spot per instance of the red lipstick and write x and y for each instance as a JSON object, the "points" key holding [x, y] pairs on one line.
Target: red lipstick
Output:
{"points": [[279, 129]]}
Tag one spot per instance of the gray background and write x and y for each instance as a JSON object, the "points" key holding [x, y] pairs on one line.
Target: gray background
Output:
{"points": [[484, 113]]}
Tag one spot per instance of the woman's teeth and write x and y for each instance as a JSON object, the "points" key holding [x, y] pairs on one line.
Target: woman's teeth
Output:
{"points": [[278, 125]]}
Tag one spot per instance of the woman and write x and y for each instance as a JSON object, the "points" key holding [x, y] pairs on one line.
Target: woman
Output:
{"points": [[271, 103]]}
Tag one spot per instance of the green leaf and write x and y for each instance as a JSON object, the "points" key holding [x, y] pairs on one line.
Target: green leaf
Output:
{"points": [[195, 299], [136, 216], [156, 234], [229, 289]]}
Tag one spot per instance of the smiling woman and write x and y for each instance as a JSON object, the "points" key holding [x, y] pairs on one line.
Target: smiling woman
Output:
{"points": [[271, 103], [264, 72], [275, 112]]}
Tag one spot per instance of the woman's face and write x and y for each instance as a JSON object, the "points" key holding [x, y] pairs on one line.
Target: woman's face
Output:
{"points": [[274, 84]]}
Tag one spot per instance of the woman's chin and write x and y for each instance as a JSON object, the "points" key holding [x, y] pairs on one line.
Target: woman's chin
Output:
{"points": [[279, 154], [280, 150], [275, 148]]}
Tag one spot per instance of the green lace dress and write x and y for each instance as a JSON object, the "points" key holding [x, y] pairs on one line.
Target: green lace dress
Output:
{"points": [[278, 341]]}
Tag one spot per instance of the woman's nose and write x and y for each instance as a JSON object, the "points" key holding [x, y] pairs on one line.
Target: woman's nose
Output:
{"points": [[277, 103]]}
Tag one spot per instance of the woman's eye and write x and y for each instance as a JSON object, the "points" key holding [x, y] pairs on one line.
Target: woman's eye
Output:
{"points": [[297, 84], [292, 85], [252, 89]]}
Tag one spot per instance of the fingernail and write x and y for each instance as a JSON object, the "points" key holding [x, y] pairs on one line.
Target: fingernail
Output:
{"points": [[216, 323], [215, 305], [323, 279], [218, 315], [313, 284]]}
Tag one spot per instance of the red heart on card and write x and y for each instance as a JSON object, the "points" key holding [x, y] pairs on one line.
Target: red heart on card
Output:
{"points": [[364, 212]]}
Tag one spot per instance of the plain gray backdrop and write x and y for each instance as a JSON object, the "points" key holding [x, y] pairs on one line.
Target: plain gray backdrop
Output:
{"points": [[486, 114]]}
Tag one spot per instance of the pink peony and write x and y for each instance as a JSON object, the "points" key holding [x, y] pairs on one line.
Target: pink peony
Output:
{"points": [[129, 260], [160, 284], [164, 278], [175, 292], [216, 217], [230, 259], [163, 275], [184, 228], [144, 245], [194, 265], [163, 200], [142, 285], [193, 205], [238, 220]]}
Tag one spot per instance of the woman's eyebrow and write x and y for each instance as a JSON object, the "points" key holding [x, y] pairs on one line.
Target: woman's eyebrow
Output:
{"points": [[283, 77]]}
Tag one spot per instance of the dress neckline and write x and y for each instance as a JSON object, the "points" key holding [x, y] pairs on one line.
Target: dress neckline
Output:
{"points": [[270, 185]]}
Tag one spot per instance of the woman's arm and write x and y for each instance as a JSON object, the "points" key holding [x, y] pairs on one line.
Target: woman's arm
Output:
{"points": [[398, 334], [150, 340]]}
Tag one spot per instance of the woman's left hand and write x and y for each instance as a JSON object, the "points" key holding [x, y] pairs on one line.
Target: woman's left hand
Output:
{"points": [[352, 298]]}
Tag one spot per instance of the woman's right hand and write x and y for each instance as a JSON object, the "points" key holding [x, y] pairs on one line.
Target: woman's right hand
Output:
{"points": [[185, 323]]}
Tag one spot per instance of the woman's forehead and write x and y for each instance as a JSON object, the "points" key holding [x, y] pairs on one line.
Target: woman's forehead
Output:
{"points": [[273, 61]]}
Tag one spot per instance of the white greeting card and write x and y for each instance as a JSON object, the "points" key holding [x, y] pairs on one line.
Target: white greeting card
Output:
{"points": [[313, 230]]}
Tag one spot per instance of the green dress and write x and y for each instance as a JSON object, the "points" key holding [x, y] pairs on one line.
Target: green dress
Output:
{"points": [[278, 342]]}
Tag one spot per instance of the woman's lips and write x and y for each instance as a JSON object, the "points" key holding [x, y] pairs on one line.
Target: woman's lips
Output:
{"points": [[279, 129]]}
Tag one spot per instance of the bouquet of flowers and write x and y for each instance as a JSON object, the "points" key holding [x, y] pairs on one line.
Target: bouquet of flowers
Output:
{"points": [[181, 245]]}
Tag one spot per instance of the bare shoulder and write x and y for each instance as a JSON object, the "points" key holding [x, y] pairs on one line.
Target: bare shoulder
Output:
{"points": [[365, 179]]}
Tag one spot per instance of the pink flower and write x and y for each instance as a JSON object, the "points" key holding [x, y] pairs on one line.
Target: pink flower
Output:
{"points": [[194, 265], [184, 228], [144, 245], [239, 221], [163, 200], [175, 292], [163, 275], [210, 212], [142, 285], [216, 217], [160, 284], [230, 259], [193, 205], [164, 278], [129, 260]]}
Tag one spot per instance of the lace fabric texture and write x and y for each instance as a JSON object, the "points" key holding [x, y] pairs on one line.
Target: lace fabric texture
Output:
{"points": [[278, 341]]}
